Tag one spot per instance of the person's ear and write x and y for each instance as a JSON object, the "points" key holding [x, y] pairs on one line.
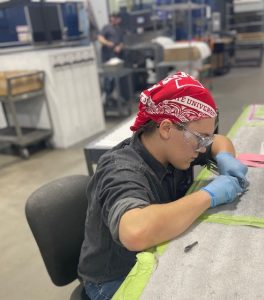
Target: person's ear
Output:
{"points": [[165, 128]]}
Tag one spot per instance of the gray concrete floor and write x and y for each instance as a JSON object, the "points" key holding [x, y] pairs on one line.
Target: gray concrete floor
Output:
{"points": [[22, 272]]}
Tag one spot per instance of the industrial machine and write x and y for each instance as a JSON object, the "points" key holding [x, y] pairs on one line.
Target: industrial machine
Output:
{"points": [[27, 22]]}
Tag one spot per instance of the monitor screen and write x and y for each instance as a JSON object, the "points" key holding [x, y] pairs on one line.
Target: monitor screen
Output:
{"points": [[45, 23], [133, 20], [11, 17]]}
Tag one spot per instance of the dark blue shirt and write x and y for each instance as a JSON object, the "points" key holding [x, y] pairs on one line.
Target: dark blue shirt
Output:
{"points": [[114, 34]]}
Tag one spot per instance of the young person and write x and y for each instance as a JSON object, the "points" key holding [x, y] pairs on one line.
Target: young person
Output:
{"points": [[137, 195]]}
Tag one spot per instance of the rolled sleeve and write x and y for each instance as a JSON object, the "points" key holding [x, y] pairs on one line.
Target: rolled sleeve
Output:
{"points": [[117, 211], [122, 189]]}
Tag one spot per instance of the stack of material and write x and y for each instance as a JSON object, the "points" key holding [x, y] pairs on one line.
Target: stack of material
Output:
{"points": [[185, 51], [20, 82], [251, 36], [192, 57], [181, 51]]}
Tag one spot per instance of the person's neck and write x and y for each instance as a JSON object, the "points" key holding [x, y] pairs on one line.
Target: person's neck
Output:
{"points": [[153, 146]]}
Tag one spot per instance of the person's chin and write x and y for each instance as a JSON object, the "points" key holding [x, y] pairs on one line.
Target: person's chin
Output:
{"points": [[187, 166], [184, 166]]}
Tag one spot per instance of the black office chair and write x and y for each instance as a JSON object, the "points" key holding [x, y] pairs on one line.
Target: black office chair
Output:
{"points": [[56, 215]]}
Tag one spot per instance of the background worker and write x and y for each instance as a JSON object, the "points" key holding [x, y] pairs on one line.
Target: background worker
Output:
{"points": [[137, 195], [111, 38]]}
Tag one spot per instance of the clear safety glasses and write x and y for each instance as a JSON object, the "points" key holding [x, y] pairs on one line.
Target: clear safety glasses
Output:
{"points": [[202, 141]]}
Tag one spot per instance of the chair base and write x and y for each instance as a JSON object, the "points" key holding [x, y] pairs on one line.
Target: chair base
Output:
{"points": [[79, 293]]}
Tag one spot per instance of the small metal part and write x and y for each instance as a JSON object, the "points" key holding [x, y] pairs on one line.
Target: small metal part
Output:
{"points": [[243, 183], [189, 247], [241, 194], [211, 166]]}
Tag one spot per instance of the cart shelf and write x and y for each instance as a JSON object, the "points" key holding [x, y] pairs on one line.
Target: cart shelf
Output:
{"points": [[29, 135], [18, 87]]}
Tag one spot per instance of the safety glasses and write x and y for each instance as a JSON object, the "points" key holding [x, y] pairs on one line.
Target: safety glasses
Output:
{"points": [[202, 141]]}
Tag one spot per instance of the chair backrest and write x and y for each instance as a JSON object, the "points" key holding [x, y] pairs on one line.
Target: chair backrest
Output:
{"points": [[56, 215]]}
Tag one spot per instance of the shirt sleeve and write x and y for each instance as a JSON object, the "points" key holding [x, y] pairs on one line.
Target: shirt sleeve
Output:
{"points": [[122, 189], [104, 31]]}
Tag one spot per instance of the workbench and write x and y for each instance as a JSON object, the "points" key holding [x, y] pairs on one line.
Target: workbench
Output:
{"points": [[122, 80], [226, 260], [106, 141]]}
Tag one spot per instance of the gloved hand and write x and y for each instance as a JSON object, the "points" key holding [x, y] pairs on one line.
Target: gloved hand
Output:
{"points": [[228, 165], [223, 189]]}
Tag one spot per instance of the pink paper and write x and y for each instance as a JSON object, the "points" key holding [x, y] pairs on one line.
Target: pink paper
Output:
{"points": [[252, 164], [251, 156], [252, 116], [252, 159]]}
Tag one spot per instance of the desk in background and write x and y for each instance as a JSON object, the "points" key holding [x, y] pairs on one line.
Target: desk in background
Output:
{"points": [[228, 261], [106, 141], [121, 78]]}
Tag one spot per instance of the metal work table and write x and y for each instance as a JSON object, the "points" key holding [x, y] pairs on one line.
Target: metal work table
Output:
{"points": [[104, 142], [123, 105], [226, 261], [248, 53]]}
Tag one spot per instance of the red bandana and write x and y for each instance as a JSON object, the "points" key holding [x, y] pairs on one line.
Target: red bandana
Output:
{"points": [[179, 98]]}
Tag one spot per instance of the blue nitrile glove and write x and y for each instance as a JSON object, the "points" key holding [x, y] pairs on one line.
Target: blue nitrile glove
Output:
{"points": [[228, 165], [223, 189]]}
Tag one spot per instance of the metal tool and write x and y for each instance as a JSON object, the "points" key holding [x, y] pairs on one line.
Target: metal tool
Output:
{"points": [[211, 166], [189, 247]]}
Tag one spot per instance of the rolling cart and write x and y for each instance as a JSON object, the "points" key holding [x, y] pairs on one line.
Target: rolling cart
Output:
{"points": [[16, 88]]}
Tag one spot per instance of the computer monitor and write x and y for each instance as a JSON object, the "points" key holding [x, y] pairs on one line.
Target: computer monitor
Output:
{"points": [[11, 16], [45, 22], [136, 21]]}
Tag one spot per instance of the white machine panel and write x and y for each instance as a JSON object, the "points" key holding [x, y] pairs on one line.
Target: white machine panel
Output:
{"points": [[73, 92], [241, 6]]}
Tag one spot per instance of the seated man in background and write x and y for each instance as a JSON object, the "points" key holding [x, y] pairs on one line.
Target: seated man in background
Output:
{"points": [[137, 195]]}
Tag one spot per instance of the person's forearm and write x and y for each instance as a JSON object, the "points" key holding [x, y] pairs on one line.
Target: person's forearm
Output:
{"points": [[104, 41], [121, 45], [222, 144], [142, 228]]}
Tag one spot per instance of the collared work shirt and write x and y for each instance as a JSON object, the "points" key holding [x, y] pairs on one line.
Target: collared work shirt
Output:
{"points": [[114, 34], [127, 177]]}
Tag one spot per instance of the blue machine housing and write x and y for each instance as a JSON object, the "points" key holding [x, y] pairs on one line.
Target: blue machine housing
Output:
{"points": [[44, 18]]}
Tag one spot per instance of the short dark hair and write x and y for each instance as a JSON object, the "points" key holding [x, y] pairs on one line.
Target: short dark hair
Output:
{"points": [[115, 15], [148, 127]]}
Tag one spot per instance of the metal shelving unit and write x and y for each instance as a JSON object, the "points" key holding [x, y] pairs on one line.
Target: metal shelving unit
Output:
{"points": [[13, 133], [181, 8], [184, 10], [244, 20], [248, 23]]}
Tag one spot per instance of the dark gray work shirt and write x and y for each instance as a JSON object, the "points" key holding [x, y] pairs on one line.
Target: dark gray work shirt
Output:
{"points": [[127, 177], [114, 34]]}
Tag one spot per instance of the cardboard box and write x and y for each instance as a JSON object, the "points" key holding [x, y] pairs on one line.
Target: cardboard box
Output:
{"points": [[28, 81], [251, 36], [181, 54]]}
